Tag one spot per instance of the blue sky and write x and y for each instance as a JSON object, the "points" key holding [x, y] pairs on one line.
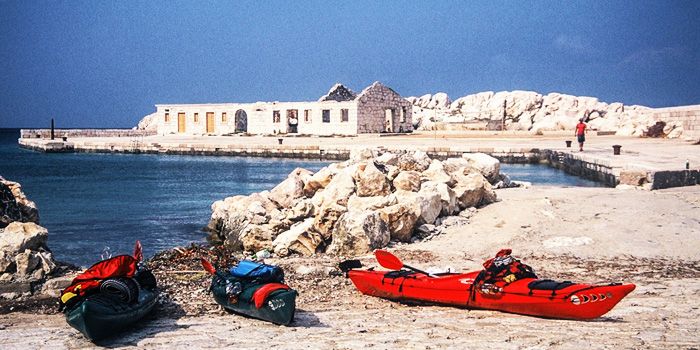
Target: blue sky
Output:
{"points": [[106, 63]]}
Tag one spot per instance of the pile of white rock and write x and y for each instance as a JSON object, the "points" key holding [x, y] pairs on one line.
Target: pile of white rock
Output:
{"points": [[531, 111], [25, 259], [352, 207]]}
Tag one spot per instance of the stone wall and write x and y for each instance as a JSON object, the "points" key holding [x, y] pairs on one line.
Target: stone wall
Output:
{"points": [[688, 117], [375, 102], [59, 133]]}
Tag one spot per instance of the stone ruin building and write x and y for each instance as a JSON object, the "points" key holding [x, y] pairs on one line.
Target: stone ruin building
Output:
{"points": [[377, 109]]}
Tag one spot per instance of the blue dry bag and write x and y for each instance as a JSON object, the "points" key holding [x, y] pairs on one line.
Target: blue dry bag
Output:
{"points": [[250, 270]]}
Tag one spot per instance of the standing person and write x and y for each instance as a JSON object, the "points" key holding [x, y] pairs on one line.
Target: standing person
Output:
{"points": [[581, 133]]}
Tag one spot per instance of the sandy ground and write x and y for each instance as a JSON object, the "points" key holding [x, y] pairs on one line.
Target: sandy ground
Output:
{"points": [[651, 239]]}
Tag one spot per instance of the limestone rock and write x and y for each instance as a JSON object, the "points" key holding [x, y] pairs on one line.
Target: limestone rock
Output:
{"points": [[408, 181], [356, 203], [300, 239], [401, 219], [317, 181], [47, 262], [339, 189], [387, 159], [460, 166], [416, 161], [359, 233], [427, 204], [447, 196], [256, 237], [361, 154], [53, 286], [26, 262], [326, 219], [489, 166], [392, 172], [14, 205], [436, 173], [372, 182], [7, 263], [19, 236], [471, 190], [301, 210], [285, 194]]}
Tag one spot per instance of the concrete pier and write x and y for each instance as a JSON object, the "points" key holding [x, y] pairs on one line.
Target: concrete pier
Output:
{"points": [[654, 163]]}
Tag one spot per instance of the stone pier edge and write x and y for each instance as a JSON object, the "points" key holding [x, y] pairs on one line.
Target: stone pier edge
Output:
{"points": [[597, 170]]}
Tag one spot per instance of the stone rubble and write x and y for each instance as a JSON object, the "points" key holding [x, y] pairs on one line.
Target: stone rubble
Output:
{"points": [[352, 207]]}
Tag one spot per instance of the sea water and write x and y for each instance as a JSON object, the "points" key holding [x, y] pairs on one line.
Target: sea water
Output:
{"points": [[97, 204]]}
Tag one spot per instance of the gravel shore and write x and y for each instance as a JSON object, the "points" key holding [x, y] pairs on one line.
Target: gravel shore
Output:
{"points": [[581, 234]]}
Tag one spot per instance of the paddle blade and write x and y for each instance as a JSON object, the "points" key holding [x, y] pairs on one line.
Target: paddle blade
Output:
{"points": [[138, 251], [388, 260], [208, 266]]}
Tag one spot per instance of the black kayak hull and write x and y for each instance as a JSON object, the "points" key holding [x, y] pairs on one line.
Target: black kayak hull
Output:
{"points": [[279, 307], [100, 316]]}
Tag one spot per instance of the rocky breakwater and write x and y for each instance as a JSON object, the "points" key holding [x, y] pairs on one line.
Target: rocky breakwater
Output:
{"points": [[352, 207], [534, 112], [25, 259]]}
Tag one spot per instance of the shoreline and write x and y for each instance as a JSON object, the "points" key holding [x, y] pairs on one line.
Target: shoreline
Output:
{"points": [[661, 313], [658, 163]]}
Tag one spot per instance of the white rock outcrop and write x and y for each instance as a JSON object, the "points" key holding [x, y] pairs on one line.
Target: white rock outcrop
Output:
{"points": [[534, 112]]}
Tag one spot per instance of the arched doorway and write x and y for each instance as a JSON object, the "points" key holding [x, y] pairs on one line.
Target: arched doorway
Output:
{"points": [[241, 121]]}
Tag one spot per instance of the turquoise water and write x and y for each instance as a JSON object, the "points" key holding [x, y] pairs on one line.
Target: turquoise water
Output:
{"points": [[90, 201], [539, 174]]}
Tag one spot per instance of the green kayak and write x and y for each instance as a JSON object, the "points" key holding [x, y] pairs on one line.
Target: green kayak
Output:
{"points": [[274, 305], [101, 315]]}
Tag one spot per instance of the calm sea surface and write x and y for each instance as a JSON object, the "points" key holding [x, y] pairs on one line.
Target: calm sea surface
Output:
{"points": [[90, 202]]}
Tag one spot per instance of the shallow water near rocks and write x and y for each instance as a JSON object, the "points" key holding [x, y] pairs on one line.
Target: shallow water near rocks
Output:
{"points": [[98, 204]]}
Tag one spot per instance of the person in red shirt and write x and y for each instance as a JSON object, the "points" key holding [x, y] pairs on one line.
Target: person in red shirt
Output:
{"points": [[581, 133]]}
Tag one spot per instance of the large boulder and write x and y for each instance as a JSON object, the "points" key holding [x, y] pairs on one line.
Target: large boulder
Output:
{"points": [[407, 181], [473, 190], [489, 166], [286, 193], [256, 237], [436, 173], [415, 161], [318, 181], [327, 217], [27, 262], [361, 154], [338, 190], [300, 239], [7, 263], [388, 159], [372, 182], [401, 219], [458, 166], [231, 215], [359, 233], [14, 205], [447, 196], [427, 204], [19, 236], [301, 210]]}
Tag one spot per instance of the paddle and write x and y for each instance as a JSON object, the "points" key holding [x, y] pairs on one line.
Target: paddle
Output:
{"points": [[390, 261], [208, 266]]}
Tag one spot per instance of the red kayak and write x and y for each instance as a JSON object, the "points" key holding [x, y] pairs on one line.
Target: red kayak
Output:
{"points": [[526, 296]]}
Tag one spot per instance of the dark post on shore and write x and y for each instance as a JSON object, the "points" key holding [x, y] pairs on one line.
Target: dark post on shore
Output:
{"points": [[52, 128]]}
